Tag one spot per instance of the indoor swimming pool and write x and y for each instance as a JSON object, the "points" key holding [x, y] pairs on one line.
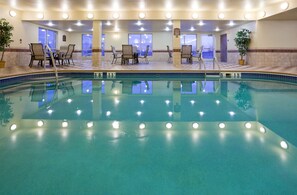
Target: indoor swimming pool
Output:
{"points": [[148, 134]]}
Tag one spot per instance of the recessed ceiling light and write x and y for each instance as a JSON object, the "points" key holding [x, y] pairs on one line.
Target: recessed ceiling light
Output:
{"points": [[108, 23], [65, 16], [247, 16], [50, 24], [194, 15], [217, 29], [141, 5], [141, 15], [138, 23], [169, 23], [115, 15], [40, 15], [12, 13], [168, 15], [78, 23], [90, 15], [192, 28], [231, 23], [201, 23], [284, 5], [167, 28], [69, 30], [221, 15]]}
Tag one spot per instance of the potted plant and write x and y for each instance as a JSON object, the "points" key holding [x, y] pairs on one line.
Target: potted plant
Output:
{"points": [[242, 42], [5, 38]]}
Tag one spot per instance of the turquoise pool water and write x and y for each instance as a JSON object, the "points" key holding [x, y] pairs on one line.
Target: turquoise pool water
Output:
{"points": [[148, 136]]}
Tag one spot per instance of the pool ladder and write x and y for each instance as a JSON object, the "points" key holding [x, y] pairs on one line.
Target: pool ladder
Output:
{"points": [[52, 59]]}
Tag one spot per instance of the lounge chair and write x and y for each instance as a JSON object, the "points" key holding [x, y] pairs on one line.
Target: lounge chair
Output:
{"points": [[186, 52], [127, 54], [115, 55], [145, 54], [66, 57], [37, 53]]}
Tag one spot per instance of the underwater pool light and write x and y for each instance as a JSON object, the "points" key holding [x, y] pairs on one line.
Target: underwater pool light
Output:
{"points": [[168, 125], [13, 127], [90, 124], [40, 123], [195, 125], [222, 125], [141, 126], [262, 130], [248, 125], [284, 145]]}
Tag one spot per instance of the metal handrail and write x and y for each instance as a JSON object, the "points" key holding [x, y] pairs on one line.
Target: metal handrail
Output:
{"points": [[52, 59]]}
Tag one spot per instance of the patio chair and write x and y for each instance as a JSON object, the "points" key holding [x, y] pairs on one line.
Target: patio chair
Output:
{"points": [[58, 55], [169, 55], [199, 54], [186, 52], [37, 53], [127, 54], [145, 54], [115, 55], [66, 57]]}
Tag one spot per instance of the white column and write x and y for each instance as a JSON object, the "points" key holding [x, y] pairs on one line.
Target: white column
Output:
{"points": [[176, 44], [96, 44]]}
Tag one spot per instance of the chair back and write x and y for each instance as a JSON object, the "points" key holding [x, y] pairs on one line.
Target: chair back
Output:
{"points": [[146, 51], [127, 51], [113, 50], [169, 52], [186, 50], [37, 51], [70, 51]]}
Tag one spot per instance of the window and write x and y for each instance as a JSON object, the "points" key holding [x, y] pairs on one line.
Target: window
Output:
{"points": [[87, 44], [47, 37], [141, 41], [189, 40], [208, 46]]}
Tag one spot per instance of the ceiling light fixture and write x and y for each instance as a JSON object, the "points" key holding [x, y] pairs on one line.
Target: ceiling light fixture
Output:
{"points": [[138, 23], [65, 16], [50, 24], [284, 5], [217, 29], [90, 16], [108, 23], [167, 28], [141, 15], [192, 28], [201, 23], [169, 23], [12, 13], [194, 16], [231, 23], [168, 15], [221, 15], [115, 15], [40, 15], [247, 16]]}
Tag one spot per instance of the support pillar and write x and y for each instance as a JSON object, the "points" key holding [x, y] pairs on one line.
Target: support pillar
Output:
{"points": [[176, 44], [96, 43]]}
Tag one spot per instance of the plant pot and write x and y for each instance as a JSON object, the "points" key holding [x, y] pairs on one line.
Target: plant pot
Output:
{"points": [[241, 62], [2, 64]]}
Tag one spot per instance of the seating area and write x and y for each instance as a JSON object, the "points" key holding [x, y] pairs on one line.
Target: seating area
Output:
{"points": [[115, 55], [65, 57]]}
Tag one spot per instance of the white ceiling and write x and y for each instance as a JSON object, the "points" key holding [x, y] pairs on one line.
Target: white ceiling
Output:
{"points": [[149, 5]]}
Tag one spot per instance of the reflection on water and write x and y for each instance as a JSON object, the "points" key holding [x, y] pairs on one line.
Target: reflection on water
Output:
{"points": [[176, 136], [6, 112]]}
